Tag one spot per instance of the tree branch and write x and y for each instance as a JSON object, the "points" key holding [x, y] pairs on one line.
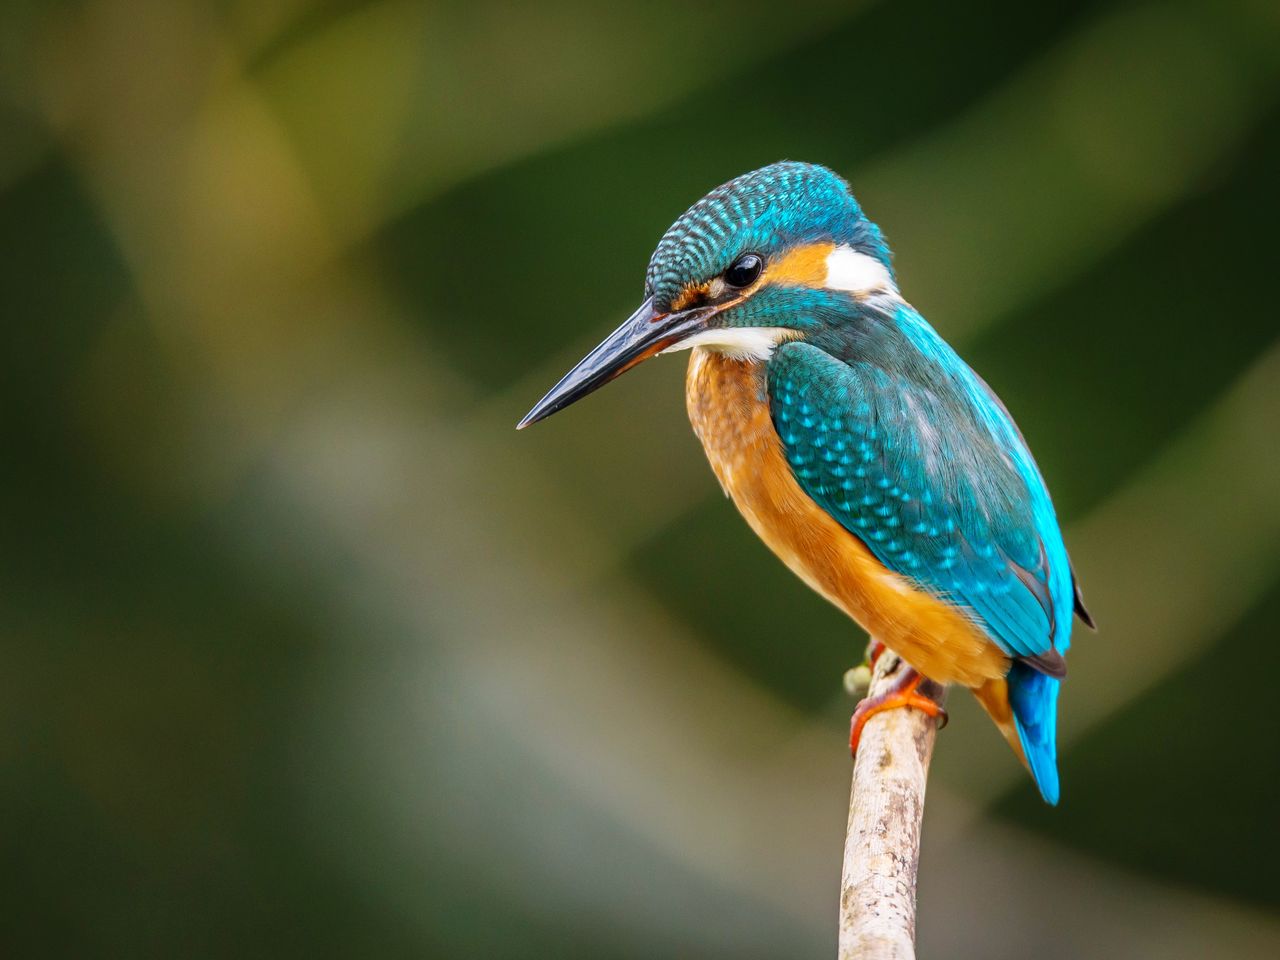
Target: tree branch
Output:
{"points": [[882, 844]]}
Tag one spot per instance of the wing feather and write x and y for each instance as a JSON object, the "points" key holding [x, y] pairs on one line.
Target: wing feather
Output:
{"points": [[937, 482]]}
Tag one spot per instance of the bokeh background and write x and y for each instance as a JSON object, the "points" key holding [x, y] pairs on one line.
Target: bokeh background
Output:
{"points": [[308, 653]]}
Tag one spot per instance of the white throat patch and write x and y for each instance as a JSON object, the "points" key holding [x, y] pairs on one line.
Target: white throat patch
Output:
{"points": [[740, 343], [858, 273], [847, 270]]}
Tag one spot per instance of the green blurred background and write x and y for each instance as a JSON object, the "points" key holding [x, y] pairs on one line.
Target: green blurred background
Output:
{"points": [[308, 653]]}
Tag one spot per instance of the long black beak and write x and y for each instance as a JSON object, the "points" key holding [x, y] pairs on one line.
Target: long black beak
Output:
{"points": [[645, 334]]}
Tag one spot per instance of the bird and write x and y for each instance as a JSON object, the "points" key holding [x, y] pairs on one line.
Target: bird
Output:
{"points": [[859, 446]]}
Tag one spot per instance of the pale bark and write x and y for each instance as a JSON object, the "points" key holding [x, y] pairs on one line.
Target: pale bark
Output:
{"points": [[882, 845]]}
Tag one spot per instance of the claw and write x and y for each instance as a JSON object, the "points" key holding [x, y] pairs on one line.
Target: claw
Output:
{"points": [[906, 694]]}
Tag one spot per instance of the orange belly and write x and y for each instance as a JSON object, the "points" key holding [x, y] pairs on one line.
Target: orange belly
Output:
{"points": [[730, 414]]}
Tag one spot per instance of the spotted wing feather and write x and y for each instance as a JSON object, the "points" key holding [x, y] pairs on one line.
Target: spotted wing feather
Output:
{"points": [[933, 477]]}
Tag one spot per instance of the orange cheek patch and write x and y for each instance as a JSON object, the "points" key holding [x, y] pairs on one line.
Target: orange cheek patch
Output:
{"points": [[803, 266]]}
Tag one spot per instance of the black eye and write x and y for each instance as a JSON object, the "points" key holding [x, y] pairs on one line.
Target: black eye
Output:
{"points": [[744, 271]]}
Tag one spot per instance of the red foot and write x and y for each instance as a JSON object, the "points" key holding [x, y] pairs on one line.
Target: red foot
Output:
{"points": [[905, 695]]}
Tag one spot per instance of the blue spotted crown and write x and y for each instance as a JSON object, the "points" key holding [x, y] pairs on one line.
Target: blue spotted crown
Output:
{"points": [[774, 208]]}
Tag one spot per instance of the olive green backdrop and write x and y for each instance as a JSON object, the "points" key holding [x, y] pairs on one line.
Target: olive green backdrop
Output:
{"points": [[306, 652]]}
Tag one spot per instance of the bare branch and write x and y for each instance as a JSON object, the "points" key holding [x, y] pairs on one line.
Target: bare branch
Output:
{"points": [[886, 805]]}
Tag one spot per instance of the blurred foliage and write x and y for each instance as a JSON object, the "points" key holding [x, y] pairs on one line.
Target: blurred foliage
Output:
{"points": [[310, 654]]}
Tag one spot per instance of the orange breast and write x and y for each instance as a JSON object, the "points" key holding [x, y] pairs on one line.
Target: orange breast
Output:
{"points": [[730, 414]]}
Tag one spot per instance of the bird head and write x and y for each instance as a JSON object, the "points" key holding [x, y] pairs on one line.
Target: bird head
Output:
{"points": [[776, 254]]}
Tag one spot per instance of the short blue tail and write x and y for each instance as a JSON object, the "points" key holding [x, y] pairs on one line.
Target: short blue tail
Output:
{"points": [[1034, 699]]}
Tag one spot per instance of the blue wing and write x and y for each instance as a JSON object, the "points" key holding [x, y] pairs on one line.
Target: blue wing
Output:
{"points": [[932, 475], [912, 453]]}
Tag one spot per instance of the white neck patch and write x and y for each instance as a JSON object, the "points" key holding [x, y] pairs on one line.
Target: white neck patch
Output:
{"points": [[858, 273], [740, 343]]}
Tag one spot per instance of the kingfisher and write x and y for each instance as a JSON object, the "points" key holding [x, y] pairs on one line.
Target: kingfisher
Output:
{"points": [[859, 446]]}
